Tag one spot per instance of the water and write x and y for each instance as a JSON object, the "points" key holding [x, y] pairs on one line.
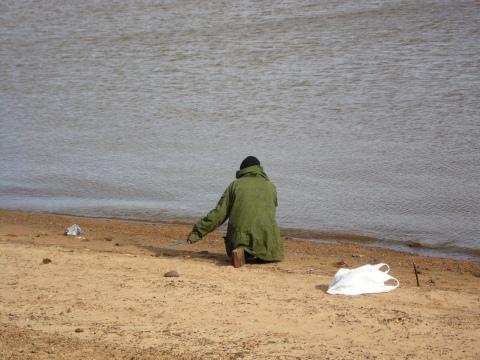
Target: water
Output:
{"points": [[363, 113]]}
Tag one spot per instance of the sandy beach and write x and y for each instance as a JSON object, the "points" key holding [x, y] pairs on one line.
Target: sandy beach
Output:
{"points": [[104, 295]]}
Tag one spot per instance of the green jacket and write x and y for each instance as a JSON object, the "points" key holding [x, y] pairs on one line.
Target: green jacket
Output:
{"points": [[250, 204]]}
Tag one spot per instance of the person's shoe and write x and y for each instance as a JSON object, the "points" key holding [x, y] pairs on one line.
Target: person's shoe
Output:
{"points": [[238, 257]]}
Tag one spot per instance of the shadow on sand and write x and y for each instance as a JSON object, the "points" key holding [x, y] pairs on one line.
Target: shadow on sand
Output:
{"points": [[323, 287], [220, 259]]}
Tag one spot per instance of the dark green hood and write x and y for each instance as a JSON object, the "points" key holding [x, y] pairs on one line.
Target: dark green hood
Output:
{"points": [[255, 170]]}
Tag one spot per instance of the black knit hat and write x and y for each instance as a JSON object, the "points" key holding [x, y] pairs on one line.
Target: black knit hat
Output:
{"points": [[249, 161]]}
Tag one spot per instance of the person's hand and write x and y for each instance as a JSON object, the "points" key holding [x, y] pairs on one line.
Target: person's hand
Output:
{"points": [[192, 238]]}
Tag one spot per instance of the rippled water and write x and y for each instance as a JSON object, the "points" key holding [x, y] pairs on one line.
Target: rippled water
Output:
{"points": [[364, 113]]}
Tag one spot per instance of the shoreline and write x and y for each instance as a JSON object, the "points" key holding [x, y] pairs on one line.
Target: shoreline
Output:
{"points": [[412, 247], [139, 237], [104, 295]]}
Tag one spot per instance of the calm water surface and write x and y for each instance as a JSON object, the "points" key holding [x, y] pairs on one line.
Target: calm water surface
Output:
{"points": [[363, 113]]}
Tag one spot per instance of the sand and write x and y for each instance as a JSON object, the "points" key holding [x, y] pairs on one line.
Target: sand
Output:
{"points": [[104, 295]]}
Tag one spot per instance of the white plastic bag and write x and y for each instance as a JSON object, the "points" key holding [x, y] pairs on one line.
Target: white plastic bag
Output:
{"points": [[73, 230], [367, 279]]}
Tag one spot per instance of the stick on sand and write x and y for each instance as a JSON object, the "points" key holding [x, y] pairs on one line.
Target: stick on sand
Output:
{"points": [[416, 273]]}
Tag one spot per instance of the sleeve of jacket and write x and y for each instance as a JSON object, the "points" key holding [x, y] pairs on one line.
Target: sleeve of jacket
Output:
{"points": [[214, 218]]}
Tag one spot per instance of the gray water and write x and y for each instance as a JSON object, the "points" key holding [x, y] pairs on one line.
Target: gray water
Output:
{"points": [[363, 113]]}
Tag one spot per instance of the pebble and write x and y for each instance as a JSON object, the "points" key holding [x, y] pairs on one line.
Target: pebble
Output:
{"points": [[172, 273], [46, 261], [78, 330]]}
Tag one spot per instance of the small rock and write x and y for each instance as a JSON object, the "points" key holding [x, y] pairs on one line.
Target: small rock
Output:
{"points": [[172, 273], [108, 239], [357, 255], [475, 273], [78, 330], [46, 261], [117, 244], [341, 263]]}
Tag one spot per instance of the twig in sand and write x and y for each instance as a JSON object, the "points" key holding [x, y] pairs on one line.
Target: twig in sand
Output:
{"points": [[416, 273]]}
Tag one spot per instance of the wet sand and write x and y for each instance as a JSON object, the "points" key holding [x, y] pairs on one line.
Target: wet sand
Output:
{"points": [[103, 295]]}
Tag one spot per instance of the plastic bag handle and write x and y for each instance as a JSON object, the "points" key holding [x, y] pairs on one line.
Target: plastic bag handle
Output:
{"points": [[379, 266], [394, 286]]}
